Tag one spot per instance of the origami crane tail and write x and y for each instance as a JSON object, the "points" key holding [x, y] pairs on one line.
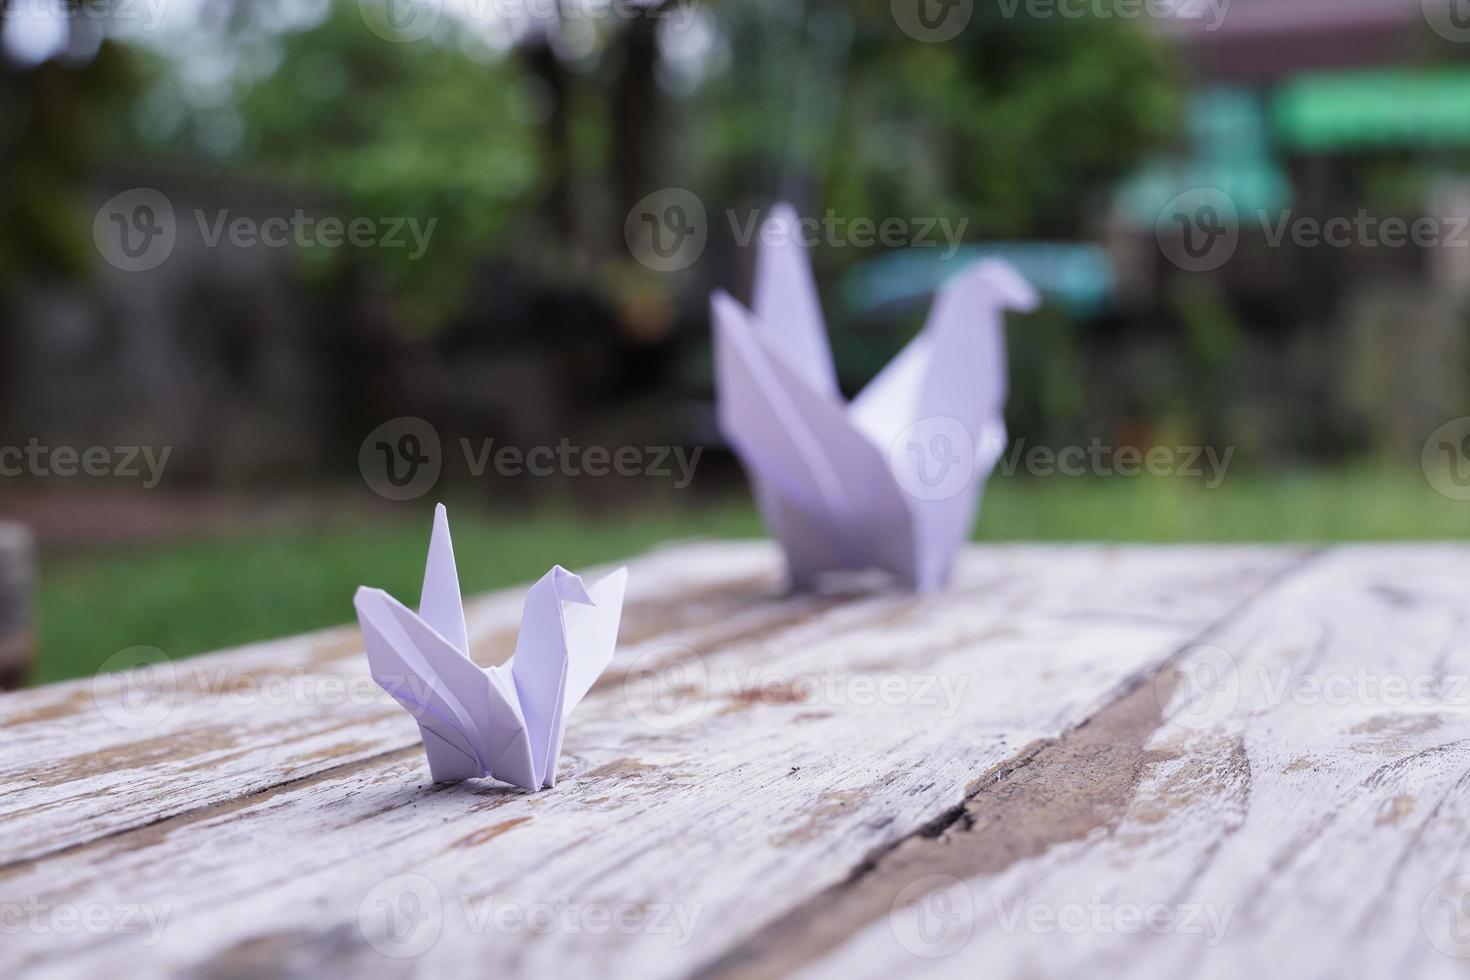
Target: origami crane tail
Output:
{"points": [[441, 604]]}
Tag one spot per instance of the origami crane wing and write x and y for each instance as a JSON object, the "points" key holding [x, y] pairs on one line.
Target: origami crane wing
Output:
{"points": [[506, 721], [467, 722], [825, 490]]}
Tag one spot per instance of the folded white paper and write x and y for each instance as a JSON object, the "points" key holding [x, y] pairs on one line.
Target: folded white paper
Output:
{"points": [[892, 480], [506, 721]]}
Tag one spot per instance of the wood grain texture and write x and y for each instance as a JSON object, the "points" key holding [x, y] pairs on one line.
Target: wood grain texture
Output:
{"points": [[93, 757], [747, 753], [1300, 807]]}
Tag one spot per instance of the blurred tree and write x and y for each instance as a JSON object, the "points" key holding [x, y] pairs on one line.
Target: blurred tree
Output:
{"points": [[59, 119], [433, 131], [1016, 123]]}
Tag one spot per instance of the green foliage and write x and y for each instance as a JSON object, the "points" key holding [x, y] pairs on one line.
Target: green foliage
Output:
{"points": [[420, 130], [1016, 123]]}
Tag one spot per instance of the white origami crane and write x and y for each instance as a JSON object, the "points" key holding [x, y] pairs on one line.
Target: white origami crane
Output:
{"points": [[506, 721], [892, 480]]}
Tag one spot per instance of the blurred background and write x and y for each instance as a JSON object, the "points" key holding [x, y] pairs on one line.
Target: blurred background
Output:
{"points": [[277, 275]]}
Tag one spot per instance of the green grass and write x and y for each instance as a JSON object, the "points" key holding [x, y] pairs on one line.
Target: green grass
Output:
{"points": [[208, 594]]}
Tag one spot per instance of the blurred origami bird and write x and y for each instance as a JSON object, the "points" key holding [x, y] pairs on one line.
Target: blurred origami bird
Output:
{"points": [[508, 721], [893, 479]]}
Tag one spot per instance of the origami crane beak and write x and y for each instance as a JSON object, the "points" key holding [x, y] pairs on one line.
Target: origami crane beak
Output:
{"points": [[1006, 284], [569, 587]]}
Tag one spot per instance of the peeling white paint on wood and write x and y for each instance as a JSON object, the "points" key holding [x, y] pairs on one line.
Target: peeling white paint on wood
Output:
{"points": [[772, 763], [1304, 811]]}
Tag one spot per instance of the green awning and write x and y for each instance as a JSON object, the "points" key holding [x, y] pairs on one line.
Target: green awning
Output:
{"points": [[1351, 110]]}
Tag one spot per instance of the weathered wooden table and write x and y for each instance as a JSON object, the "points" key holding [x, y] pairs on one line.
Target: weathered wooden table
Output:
{"points": [[1115, 762]]}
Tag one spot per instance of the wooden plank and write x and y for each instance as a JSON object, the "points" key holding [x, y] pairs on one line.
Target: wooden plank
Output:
{"points": [[17, 584], [796, 738], [94, 757], [1292, 799]]}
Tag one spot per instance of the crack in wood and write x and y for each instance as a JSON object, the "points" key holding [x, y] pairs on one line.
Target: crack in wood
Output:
{"points": [[1052, 792]]}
